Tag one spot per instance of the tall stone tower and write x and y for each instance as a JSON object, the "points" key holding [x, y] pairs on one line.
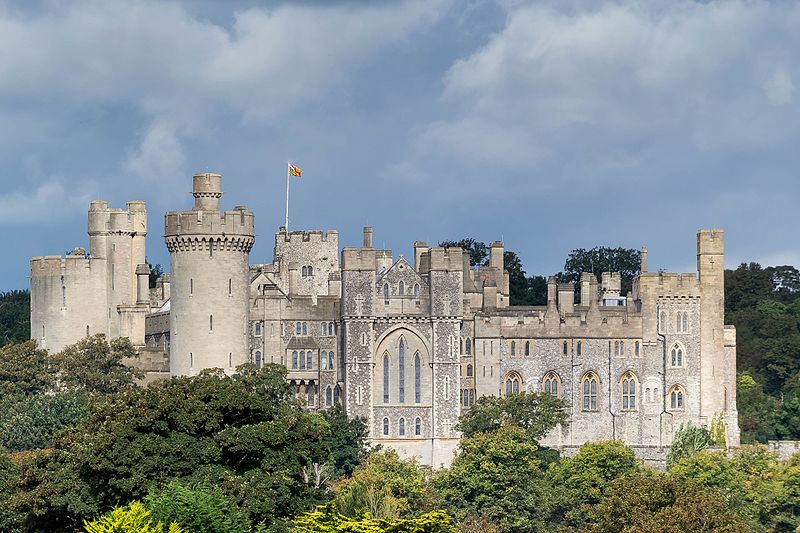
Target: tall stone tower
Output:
{"points": [[209, 265]]}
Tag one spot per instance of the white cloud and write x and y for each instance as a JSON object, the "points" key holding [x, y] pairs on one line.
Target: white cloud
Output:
{"points": [[46, 203], [779, 88], [160, 156]]}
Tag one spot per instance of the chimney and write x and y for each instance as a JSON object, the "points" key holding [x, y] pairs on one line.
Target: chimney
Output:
{"points": [[566, 298], [293, 281], [586, 283], [367, 237], [643, 268], [552, 289], [419, 249], [496, 255]]}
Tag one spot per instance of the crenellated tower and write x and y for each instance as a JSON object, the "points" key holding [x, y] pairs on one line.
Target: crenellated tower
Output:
{"points": [[209, 289]]}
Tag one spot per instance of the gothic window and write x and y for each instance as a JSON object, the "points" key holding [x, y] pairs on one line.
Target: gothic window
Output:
{"points": [[579, 348], [418, 427], [416, 291], [447, 387], [636, 348], [465, 397], [328, 396], [310, 270], [386, 378], [294, 360], [310, 392], [305, 328], [324, 329], [552, 384], [331, 331], [258, 359], [468, 346], [401, 427], [298, 329], [304, 271], [589, 387], [302, 360], [401, 361], [662, 322], [628, 391], [323, 360], [417, 378], [401, 288], [470, 371], [472, 396], [331, 366], [258, 329], [309, 360], [513, 383], [685, 322], [564, 347], [385, 426], [513, 348], [678, 322], [527, 347], [386, 293], [676, 355], [677, 397], [337, 393]]}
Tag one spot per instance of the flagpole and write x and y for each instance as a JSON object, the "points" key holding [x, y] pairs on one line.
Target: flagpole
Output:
{"points": [[286, 222]]}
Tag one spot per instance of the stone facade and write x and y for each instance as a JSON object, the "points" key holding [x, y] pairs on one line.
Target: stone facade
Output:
{"points": [[410, 347]]}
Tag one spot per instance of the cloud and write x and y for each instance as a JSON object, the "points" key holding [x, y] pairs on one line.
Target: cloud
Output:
{"points": [[779, 88], [160, 156], [47, 203]]}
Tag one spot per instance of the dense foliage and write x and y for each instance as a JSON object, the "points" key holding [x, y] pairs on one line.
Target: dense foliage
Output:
{"points": [[15, 316]]}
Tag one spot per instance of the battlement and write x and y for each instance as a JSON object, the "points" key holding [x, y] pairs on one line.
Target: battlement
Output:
{"points": [[667, 284], [450, 259], [360, 258], [54, 265], [104, 220], [710, 242], [312, 236], [210, 224]]}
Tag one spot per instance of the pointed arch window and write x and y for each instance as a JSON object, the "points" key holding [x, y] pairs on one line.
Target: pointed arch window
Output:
{"points": [[258, 359], [589, 388], [324, 329], [328, 396], [417, 378], [401, 427], [629, 387], [386, 293], [294, 360], [385, 426], [386, 378], [401, 288], [309, 360], [331, 365], [513, 348], [677, 398], [305, 328], [416, 291], [311, 394], [323, 363], [418, 427], [527, 348], [470, 371], [302, 360], [552, 384], [512, 383], [298, 328], [685, 322], [676, 355], [401, 362], [468, 346], [337, 394]]}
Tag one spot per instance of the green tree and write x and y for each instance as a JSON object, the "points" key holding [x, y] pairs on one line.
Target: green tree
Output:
{"points": [[347, 441], [687, 441], [95, 365], [327, 520], [199, 509], [15, 316], [478, 251], [384, 486], [523, 290], [131, 519], [30, 422], [9, 481], [155, 272], [626, 261], [583, 480], [24, 370], [535, 412], [757, 410], [497, 476]]}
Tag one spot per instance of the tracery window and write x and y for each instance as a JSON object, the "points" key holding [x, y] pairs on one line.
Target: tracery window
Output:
{"points": [[552, 384], [589, 387], [512, 383], [468, 346], [676, 355], [386, 378], [628, 391], [677, 397], [619, 348], [682, 322], [401, 361]]}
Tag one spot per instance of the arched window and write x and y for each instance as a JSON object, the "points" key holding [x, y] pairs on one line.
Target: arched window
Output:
{"points": [[416, 291], [258, 359], [513, 383], [662, 322], [331, 331], [305, 328], [579, 348], [337, 393], [304, 271], [468, 346], [677, 397], [513, 348], [310, 270], [310, 393], [401, 363], [417, 378], [329, 396], [527, 347], [386, 378], [685, 324], [324, 329], [636, 348], [302, 360], [309, 360], [294, 360], [401, 427], [386, 293], [385, 426], [418, 427], [210, 322], [564, 348], [589, 387], [298, 329], [258, 329], [552, 384], [472, 396], [679, 322], [470, 371], [628, 391], [191, 286], [401, 288], [323, 360], [331, 366], [676, 355]]}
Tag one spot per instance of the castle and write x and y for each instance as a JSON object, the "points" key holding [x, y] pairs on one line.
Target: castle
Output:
{"points": [[407, 346]]}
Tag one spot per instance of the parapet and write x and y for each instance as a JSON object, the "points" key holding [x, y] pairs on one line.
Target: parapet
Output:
{"points": [[104, 220], [207, 190], [450, 259], [237, 222], [611, 284], [359, 259], [710, 242], [330, 235]]}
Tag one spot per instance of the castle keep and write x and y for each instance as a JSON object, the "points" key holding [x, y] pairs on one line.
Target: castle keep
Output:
{"points": [[409, 346]]}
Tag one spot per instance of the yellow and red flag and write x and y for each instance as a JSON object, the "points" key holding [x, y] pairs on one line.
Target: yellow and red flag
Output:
{"points": [[295, 171]]}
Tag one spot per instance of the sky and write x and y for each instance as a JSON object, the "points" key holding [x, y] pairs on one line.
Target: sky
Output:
{"points": [[551, 125]]}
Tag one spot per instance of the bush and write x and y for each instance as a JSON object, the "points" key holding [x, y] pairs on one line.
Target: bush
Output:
{"points": [[133, 519], [200, 509]]}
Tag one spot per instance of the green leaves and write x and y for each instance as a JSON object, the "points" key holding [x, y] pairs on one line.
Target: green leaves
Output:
{"points": [[537, 413]]}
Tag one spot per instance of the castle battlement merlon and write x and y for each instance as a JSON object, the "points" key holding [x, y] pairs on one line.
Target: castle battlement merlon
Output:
{"points": [[330, 235]]}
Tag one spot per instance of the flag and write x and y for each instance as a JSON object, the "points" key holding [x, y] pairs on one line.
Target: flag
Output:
{"points": [[295, 171]]}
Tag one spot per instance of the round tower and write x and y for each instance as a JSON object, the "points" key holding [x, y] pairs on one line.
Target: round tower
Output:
{"points": [[210, 281]]}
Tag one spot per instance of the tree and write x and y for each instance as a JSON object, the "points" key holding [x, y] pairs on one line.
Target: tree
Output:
{"points": [[155, 272], [535, 412], [583, 479], [649, 502], [478, 251], [626, 261], [384, 486], [30, 422], [687, 441], [199, 509], [347, 441], [24, 370], [327, 520], [94, 365], [131, 519], [497, 476], [15, 316], [523, 290], [9, 480]]}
